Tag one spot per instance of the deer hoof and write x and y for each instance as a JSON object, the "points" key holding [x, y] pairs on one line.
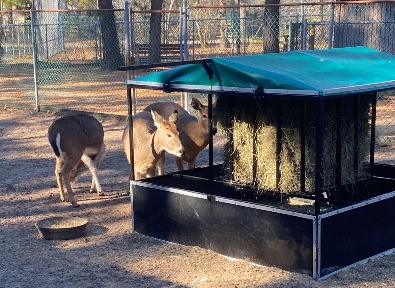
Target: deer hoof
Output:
{"points": [[75, 204], [100, 193]]}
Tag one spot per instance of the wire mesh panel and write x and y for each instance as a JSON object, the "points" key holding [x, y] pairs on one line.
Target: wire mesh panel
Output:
{"points": [[16, 54], [365, 24], [78, 58], [155, 37], [241, 30], [78, 52]]}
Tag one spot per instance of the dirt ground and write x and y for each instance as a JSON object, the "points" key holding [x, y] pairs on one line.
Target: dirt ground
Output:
{"points": [[111, 255]]}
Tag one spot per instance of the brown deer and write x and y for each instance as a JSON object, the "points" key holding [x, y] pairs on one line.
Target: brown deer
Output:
{"points": [[76, 139], [152, 136], [194, 132]]}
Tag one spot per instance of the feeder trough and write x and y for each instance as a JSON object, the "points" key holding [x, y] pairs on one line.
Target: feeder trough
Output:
{"points": [[337, 212]]}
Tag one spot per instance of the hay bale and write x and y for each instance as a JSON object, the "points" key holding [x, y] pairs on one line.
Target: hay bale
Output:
{"points": [[254, 157], [266, 143]]}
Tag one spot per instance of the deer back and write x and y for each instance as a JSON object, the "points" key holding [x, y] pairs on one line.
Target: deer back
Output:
{"points": [[75, 133]]}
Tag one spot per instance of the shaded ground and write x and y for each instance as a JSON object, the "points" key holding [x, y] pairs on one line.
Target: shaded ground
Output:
{"points": [[111, 255]]}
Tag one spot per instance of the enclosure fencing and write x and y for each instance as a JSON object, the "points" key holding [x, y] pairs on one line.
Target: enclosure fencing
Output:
{"points": [[69, 59]]}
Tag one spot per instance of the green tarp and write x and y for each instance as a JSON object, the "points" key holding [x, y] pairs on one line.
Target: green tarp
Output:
{"points": [[307, 72]]}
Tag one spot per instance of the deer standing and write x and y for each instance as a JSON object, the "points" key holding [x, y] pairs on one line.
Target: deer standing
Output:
{"points": [[76, 139], [152, 136], [194, 132]]}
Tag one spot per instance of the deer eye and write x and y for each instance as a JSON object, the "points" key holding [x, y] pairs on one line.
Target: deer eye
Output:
{"points": [[204, 116], [168, 135]]}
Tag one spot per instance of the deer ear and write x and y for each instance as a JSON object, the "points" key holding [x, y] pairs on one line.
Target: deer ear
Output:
{"points": [[195, 104], [173, 117], [158, 120]]}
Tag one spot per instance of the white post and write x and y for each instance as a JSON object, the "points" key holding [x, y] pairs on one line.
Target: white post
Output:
{"points": [[127, 37], [184, 46], [331, 26], [34, 46]]}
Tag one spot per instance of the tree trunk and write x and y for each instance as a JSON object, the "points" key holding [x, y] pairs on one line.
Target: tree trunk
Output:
{"points": [[155, 32], [112, 57], [272, 27], [224, 41], [243, 36]]}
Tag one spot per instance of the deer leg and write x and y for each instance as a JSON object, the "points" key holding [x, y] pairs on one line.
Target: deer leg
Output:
{"points": [[68, 165], [160, 165], [59, 179], [138, 176], [191, 163], [92, 168], [98, 158], [180, 166]]}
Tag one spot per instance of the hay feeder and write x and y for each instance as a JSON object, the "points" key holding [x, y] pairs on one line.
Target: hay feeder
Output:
{"points": [[299, 187]]}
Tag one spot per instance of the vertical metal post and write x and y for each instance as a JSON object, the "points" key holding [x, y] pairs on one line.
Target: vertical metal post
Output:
{"points": [[134, 101], [131, 153], [35, 61], [133, 40], [304, 34], [279, 140], [181, 32], [184, 45], [290, 36], [339, 142], [127, 37], [185, 30], [210, 141], [356, 135], [303, 148], [193, 38], [254, 149], [331, 25], [130, 123], [46, 40], [319, 179], [319, 157], [373, 130]]}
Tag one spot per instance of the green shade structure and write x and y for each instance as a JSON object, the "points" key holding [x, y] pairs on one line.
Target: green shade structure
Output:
{"points": [[326, 73]]}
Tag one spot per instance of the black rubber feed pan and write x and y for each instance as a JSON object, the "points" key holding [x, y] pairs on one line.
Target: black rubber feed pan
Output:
{"points": [[62, 228]]}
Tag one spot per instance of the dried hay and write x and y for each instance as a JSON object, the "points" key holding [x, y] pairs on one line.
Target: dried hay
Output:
{"points": [[254, 127]]}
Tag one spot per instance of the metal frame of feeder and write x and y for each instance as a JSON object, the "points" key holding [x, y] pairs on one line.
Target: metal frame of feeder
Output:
{"points": [[321, 265]]}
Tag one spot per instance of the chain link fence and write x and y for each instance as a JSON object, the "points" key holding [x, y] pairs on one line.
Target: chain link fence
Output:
{"points": [[64, 60], [69, 59]]}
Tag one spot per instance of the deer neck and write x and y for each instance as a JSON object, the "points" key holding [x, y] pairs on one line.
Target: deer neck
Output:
{"points": [[200, 133], [156, 145]]}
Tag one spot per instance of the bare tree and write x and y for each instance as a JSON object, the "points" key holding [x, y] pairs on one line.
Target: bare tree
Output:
{"points": [[112, 57], [155, 32], [271, 27], [224, 26]]}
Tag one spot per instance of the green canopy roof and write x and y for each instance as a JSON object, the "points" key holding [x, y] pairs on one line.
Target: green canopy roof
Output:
{"points": [[307, 72]]}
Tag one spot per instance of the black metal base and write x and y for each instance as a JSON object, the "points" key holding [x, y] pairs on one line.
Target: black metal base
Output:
{"points": [[189, 209]]}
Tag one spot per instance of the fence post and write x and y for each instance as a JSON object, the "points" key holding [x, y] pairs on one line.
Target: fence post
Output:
{"points": [[331, 26], [127, 37], [304, 34], [184, 46], [185, 29], [181, 33], [35, 62]]}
